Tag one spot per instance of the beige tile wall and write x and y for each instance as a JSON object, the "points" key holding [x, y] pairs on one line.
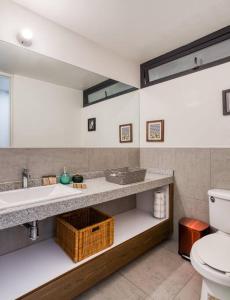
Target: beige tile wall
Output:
{"points": [[196, 171], [51, 161], [220, 167]]}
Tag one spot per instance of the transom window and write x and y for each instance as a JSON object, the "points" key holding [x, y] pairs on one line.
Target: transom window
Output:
{"points": [[206, 52], [105, 90]]}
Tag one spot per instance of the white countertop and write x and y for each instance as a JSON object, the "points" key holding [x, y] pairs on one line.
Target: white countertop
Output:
{"points": [[98, 191]]}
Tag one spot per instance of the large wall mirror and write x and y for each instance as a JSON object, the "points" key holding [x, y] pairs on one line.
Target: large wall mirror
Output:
{"points": [[47, 103]]}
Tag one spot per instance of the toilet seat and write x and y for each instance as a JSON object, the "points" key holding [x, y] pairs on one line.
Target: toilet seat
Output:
{"points": [[214, 251], [210, 256]]}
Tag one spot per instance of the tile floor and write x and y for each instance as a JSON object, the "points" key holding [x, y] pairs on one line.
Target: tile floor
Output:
{"points": [[160, 274]]}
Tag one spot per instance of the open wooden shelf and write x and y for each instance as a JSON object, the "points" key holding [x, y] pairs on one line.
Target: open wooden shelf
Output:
{"points": [[44, 271], [35, 265]]}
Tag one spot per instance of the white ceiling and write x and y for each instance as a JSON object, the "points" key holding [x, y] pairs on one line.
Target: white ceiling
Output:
{"points": [[18, 60], [136, 29]]}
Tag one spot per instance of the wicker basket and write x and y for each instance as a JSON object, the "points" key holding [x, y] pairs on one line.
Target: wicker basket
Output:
{"points": [[84, 232]]}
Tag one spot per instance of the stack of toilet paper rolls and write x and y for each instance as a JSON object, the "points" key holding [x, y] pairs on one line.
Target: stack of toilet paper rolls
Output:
{"points": [[159, 205]]}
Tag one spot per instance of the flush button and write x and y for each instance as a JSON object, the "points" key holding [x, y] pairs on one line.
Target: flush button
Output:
{"points": [[212, 199]]}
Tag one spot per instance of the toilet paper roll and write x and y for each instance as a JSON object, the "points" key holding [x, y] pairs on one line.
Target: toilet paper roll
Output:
{"points": [[159, 205]]}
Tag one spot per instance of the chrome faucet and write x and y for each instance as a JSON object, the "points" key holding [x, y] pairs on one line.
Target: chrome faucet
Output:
{"points": [[25, 178]]}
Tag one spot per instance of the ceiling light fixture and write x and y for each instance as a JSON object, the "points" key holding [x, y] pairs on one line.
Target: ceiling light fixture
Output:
{"points": [[25, 37]]}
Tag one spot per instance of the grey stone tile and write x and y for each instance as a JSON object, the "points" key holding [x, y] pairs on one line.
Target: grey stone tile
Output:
{"points": [[91, 294], [14, 238], [149, 271], [190, 207], [45, 161], [192, 289], [162, 158], [192, 178], [192, 172], [52, 161], [114, 288], [118, 206], [220, 168], [171, 245], [192, 182], [169, 288], [177, 281], [133, 157], [13, 185], [185, 206], [12, 161], [106, 158]]}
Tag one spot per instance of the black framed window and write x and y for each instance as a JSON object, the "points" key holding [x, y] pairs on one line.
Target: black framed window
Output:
{"points": [[105, 90], [206, 52]]}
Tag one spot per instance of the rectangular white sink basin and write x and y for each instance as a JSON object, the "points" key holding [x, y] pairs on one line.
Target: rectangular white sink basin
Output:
{"points": [[36, 194]]}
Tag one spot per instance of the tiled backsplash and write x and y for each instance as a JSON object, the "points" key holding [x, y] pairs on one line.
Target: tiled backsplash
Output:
{"points": [[52, 160], [196, 170]]}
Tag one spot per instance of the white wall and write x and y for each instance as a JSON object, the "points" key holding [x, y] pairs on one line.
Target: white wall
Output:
{"points": [[59, 43], [49, 115], [4, 119], [191, 107], [109, 115], [45, 114]]}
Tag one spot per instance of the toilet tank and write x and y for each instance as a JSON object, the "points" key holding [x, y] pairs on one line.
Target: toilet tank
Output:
{"points": [[219, 209]]}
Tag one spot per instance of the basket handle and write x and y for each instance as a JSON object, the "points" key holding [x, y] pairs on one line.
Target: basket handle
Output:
{"points": [[95, 228]]}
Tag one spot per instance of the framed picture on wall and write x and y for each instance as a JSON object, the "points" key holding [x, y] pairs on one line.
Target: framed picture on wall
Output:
{"points": [[92, 124], [226, 102], [155, 131], [126, 133]]}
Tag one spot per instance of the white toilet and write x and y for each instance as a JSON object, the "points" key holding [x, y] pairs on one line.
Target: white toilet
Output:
{"points": [[210, 256]]}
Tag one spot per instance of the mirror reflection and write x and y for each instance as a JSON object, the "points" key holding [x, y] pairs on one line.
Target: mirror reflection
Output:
{"points": [[48, 103]]}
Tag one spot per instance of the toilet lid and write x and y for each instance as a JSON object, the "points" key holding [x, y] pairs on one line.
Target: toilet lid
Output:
{"points": [[214, 250]]}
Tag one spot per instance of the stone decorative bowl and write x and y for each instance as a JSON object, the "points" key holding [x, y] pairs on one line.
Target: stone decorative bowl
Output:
{"points": [[125, 175]]}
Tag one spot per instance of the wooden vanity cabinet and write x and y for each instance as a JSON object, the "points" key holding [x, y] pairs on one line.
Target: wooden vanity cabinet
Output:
{"points": [[73, 283]]}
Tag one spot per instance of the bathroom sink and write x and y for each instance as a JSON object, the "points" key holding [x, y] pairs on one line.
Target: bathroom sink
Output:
{"points": [[36, 194], [125, 175]]}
